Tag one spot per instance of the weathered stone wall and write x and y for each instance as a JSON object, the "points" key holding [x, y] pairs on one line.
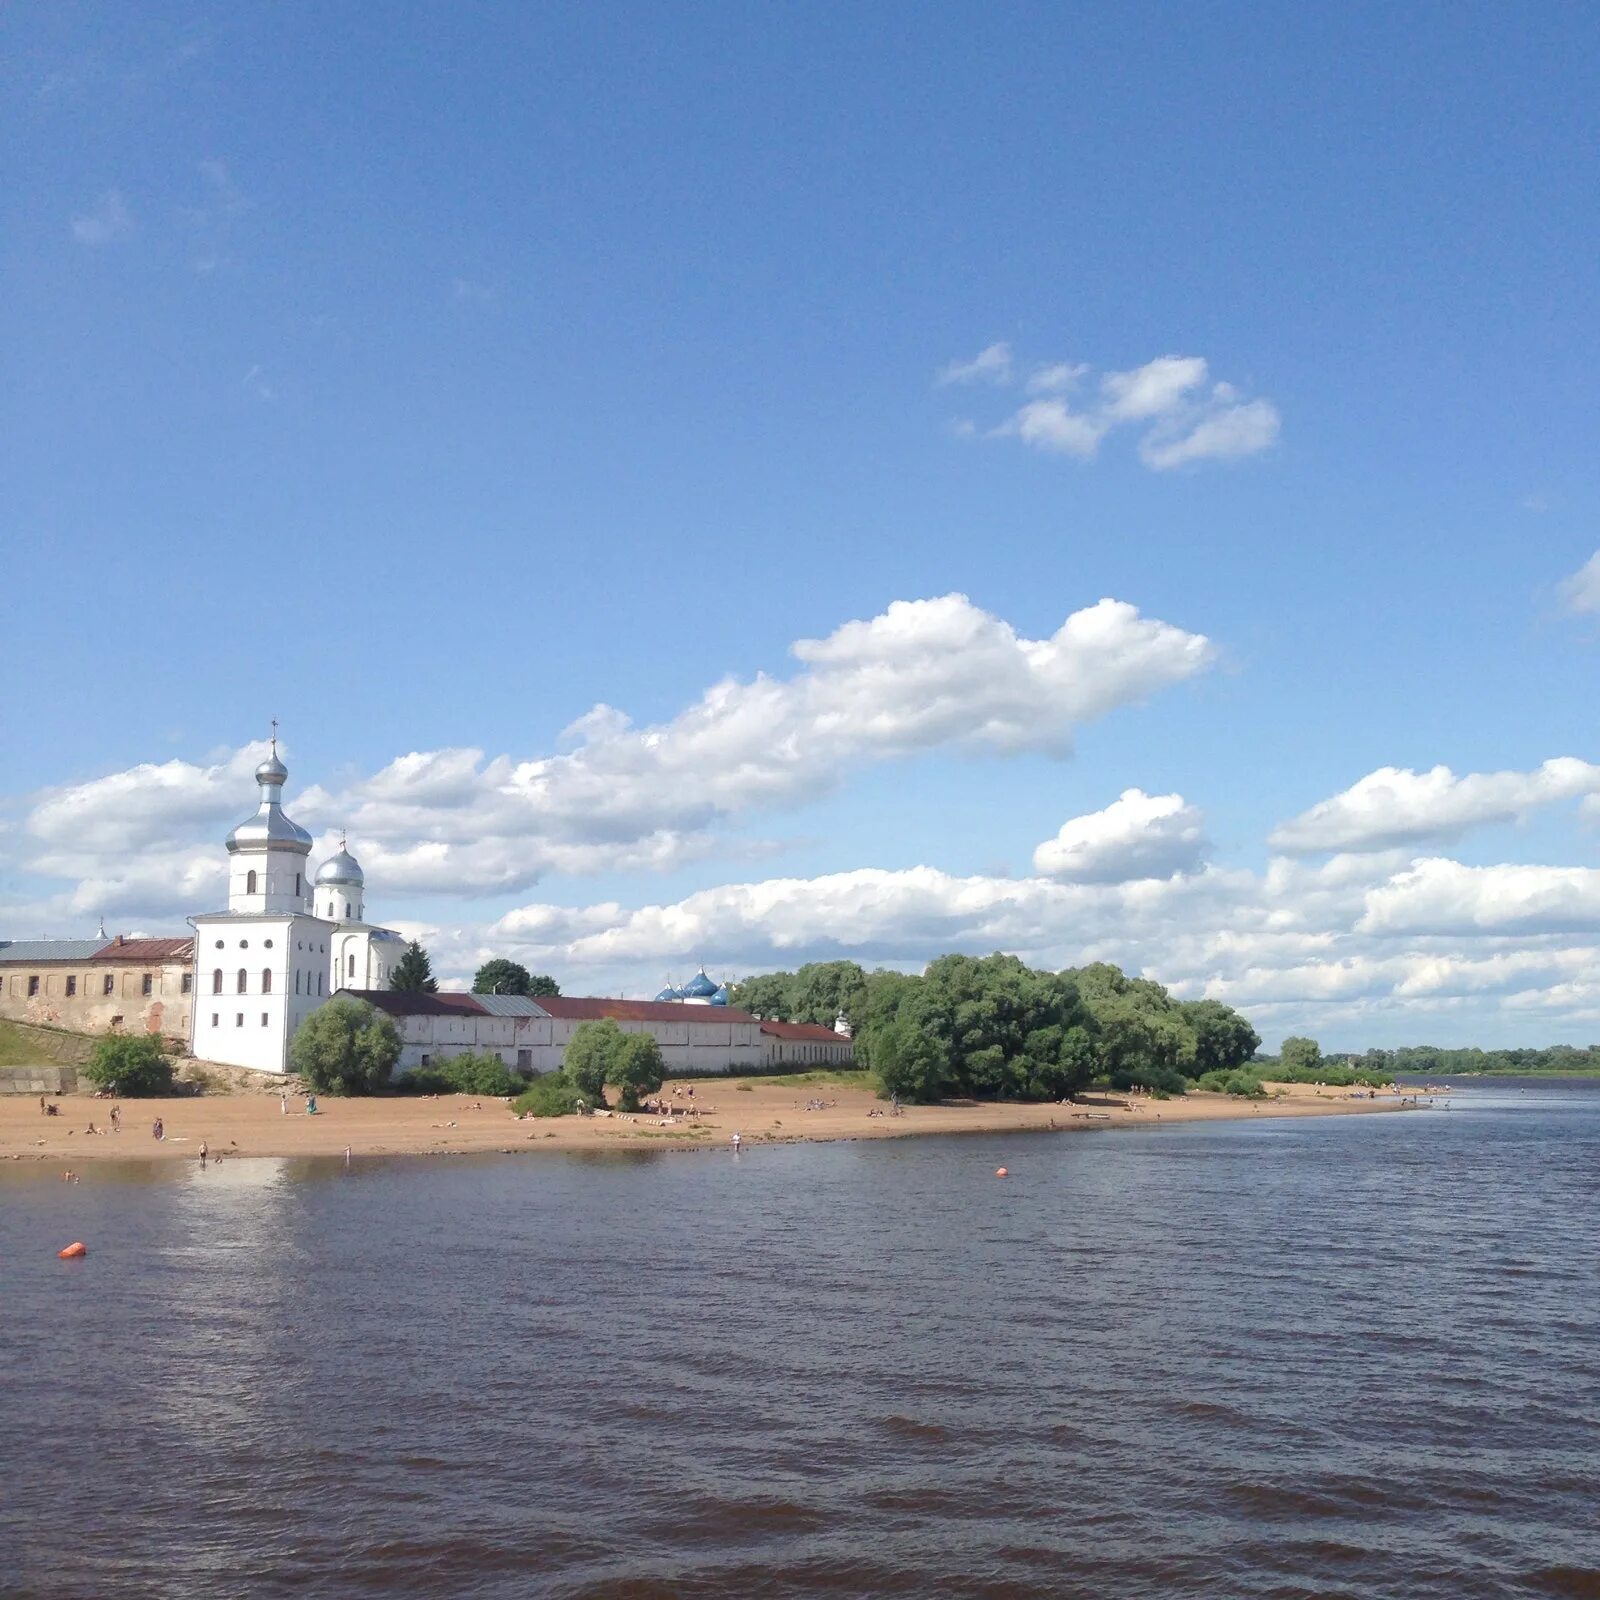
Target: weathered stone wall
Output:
{"points": [[38, 1080], [90, 1008]]}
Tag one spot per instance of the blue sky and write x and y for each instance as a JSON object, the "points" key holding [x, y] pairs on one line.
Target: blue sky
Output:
{"points": [[425, 378]]}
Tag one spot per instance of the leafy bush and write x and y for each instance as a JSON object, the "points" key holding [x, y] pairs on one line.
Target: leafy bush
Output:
{"points": [[471, 1072], [130, 1064], [345, 1047], [1165, 1081], [553, 1095], [479, 1072], [1222, 1081]]}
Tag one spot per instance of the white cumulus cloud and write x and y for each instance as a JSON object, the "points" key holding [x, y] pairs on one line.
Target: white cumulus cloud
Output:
{"points": [[922, 676], [1397, 806], [1138, 835]]}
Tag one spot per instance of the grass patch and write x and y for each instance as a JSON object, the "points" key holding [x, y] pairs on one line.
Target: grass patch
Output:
{"points": [[22, 1045]]}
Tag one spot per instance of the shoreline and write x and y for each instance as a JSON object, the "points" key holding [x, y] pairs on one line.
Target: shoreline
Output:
{"points": [[252, 1124]]}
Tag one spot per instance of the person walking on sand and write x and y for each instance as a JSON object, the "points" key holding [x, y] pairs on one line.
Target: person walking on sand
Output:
{"points": [[283, 1102], [204, 1152], [116, 1119], [157, 1131]]}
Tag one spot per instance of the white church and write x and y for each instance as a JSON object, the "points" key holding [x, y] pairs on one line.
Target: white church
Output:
{"points": [[286, 942]]}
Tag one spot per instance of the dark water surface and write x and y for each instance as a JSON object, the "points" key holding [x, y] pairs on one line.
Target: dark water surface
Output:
{"points": [[1355, 1357]]}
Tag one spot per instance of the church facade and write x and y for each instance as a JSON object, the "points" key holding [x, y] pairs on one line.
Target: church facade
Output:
{"points": [[286, 942]]}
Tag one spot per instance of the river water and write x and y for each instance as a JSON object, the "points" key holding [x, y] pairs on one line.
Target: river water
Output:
{"points": [[1343, 1357]]}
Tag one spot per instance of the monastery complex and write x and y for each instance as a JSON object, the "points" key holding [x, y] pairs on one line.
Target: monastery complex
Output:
{"points": [[291, 940]]}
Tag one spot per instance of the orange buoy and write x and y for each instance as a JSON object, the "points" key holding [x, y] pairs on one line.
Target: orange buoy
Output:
{"points": [[999, 1172], [73, 1251]]}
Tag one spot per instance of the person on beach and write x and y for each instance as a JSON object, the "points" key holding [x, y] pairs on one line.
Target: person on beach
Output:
{"points": [[157, 1131], [736, 1141], [311, 1105], [283, 1104], [116, 1119], [204, 1152], [44, 1110]]}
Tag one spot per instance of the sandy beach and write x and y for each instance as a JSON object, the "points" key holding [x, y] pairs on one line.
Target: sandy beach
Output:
{"points": [[252, 1122]]}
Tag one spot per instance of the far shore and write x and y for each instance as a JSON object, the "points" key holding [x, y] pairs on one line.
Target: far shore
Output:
{"points": [[762, 1112]]}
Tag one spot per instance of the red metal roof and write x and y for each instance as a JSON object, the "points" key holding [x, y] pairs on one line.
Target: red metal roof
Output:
{"points": [[399, 1004], [807, 1032], [146, 951], [566, 1008], [585, 1008]]}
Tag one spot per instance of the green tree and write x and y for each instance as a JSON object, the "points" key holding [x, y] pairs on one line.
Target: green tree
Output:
{"points": [[1301, 1054], [635, 1068], [130, 1064], [588, 1058], [823, 991], [542, 986], [908, 1059], [1004, 1030], [1223, 1039], [413, 972], [501, 976], [345, 1047], [767, 995]]}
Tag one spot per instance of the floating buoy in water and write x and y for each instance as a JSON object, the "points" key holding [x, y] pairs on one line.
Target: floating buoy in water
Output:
{"points": [[73, 1251], [999, 1172]]}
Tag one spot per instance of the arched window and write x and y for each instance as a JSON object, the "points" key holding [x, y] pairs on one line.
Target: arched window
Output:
{"points": [[297, 980], [216, 981], [347, 910], [319, 983], [297, 886], [250, 882], [330, 909], [244, 980], [266, 980], [350, 969]]}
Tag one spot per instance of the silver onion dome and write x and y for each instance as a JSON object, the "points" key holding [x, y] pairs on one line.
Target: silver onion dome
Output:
{"points": [[272, 771], [341, 869], [269, 828]]}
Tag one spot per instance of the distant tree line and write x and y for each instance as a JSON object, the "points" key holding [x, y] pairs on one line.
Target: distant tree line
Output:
{"points": [[995, 1028], [1430, 1061]]}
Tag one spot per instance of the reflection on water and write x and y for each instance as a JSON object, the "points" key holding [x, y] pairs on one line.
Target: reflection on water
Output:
{"points": [[1353, 1356]]}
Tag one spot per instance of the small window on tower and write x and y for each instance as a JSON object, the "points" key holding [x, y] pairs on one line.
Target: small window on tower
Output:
{"points": [[244, 980], [216, 981], [297, 980], [347, 910], [266, 980], [350, 969], [263, 1019], [238, 1019], [215, 1019], [250, 882]]}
